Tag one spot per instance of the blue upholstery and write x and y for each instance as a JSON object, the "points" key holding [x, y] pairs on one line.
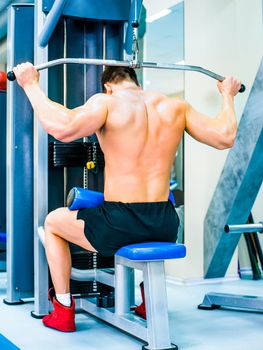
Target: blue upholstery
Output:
{"points": [[2, 237], [80, 198], [153, 251]]}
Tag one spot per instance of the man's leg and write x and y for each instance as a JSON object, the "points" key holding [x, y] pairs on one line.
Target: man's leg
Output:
{"points": [[61, 227]]}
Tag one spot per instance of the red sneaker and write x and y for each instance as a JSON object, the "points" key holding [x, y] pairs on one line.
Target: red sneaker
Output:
{"points": [[141, 310], [62, 317]]}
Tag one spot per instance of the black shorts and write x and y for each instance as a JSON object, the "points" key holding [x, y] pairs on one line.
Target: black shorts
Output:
{"points": [[113, 225]]}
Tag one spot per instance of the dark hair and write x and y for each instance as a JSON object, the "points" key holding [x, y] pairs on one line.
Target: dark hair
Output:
{"points": [[116, 74]]}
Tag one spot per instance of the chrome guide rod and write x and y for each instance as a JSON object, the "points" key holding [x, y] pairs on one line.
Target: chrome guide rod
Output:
{"points": [[244, 228]]}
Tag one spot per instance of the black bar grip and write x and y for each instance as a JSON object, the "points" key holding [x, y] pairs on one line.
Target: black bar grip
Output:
{"points": [[242, 89], [11, 76]]}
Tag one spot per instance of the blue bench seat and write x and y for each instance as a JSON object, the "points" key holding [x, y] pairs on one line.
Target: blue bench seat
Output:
{"points": [[153, 251]]}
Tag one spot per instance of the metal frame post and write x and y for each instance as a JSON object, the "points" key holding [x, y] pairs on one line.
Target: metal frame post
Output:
{"points": [[124, 289], [41, 305], [156, 305], [19, 163], [51, 22]]}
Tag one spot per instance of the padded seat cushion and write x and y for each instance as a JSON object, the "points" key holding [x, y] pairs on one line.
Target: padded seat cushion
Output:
{"points": [[153, 251]]}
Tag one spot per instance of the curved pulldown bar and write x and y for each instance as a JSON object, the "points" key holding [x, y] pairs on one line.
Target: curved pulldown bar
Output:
{"points": [[132, 64]]}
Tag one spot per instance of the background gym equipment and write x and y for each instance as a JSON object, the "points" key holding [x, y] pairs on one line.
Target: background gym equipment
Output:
{"points": [[216, 300], [238, 185], [244, 228], [133, 64], [253, 246]]}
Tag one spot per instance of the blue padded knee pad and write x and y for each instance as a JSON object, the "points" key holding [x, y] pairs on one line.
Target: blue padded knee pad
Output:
{"points": [[81, 198]]}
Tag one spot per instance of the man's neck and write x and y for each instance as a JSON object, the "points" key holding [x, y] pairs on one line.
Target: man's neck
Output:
{"points": [[125, 85]]}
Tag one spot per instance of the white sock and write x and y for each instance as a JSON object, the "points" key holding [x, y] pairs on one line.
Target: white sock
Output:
{"points": [[64, 299]]}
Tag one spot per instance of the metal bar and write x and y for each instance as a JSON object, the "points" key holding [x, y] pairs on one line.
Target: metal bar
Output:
{"points": [[11, 295], [211, 300], [41, 303], [128, 323], [183, 67], [105, 276], [244, 228], [95, 61], [136, 16], [132, 64], [82, 275], [97, 275], [51, 22]]}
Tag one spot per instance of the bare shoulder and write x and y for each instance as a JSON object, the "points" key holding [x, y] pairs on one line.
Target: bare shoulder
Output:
{"points": [[177, 106], [154, 95], [178, 103], [173, 102]]}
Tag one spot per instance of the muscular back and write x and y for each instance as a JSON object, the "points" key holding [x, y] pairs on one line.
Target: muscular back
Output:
{"points": [[139, 132], [139, 140]]}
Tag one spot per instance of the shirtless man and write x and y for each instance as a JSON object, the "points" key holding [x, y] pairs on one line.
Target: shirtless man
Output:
{"points": [[139, 133]]}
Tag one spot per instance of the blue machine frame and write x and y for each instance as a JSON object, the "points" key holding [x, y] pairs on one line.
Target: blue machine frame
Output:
{"points": [[20, 161], [108, 10], [3, 179], [3, 160]]}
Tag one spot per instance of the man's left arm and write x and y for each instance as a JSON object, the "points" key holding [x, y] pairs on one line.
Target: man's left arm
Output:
{"points": [[62, 123]]}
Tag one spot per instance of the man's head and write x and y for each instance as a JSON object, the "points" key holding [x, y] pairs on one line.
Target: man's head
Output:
{"points": [[117, 75]]}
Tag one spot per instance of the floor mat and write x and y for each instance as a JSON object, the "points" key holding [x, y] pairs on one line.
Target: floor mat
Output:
{"points": [[5, 344]]}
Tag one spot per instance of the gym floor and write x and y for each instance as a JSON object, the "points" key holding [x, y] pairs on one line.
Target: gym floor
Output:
{"points": [[190, 328]]}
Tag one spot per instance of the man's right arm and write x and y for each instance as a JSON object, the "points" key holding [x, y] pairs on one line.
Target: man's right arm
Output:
{"points": [[219, 132], [62, 123]]}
